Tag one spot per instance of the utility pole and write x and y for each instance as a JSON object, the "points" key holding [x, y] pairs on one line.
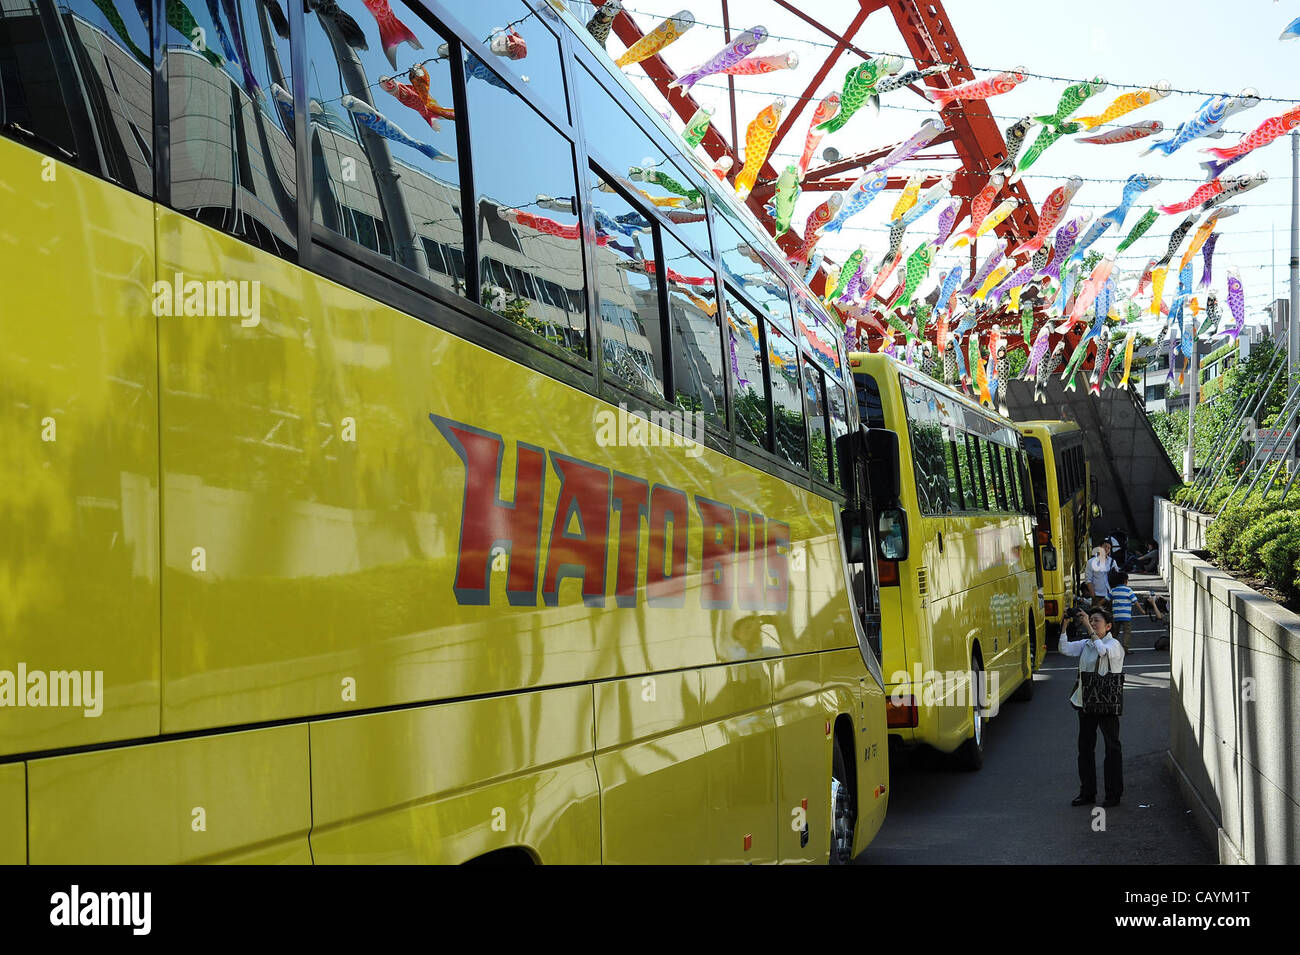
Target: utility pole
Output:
{"points": [[1193, 374], [1293, 313]]}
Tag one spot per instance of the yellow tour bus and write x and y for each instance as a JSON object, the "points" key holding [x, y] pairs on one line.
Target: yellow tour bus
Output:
{"points": [[1058, 473], [410, 456], [961, 610]]}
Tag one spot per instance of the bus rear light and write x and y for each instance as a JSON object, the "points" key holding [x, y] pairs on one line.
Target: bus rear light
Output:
{"points": [[1051, 608], [1043, 537], [901, 712], [888, 570]]}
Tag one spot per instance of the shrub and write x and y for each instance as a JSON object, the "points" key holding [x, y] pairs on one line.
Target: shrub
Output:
{"points": [[1280, 559], [1260, 534]]}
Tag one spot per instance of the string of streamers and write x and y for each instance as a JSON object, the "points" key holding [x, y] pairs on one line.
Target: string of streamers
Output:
{"points": [[987, 69]]}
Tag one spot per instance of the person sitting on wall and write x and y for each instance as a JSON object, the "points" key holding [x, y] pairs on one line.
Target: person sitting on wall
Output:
{"points": [[1147, 563]]}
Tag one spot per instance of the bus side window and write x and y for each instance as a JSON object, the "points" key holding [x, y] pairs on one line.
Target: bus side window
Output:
{"points": [[814, 400], [539, 70], [514, 227], [839, 425], [750, 272], [870, 409], [232, 160], [627, 151], [80, 91], [977, 499], [695, 333], [955, 501], [749, 385], [1009, 476], [790, 442], [627, 290], [991, 490]]}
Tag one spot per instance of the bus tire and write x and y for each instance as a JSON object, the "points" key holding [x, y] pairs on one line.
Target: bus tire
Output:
{"points": [[1025, 691], [970, 755], [843, 808]]}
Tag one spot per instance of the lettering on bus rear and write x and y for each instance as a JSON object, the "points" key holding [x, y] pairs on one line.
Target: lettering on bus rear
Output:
{"points": [[742, 562]]}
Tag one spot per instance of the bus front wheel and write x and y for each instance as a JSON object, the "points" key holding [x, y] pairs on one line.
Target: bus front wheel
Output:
{"points": [[843, 817], [970, 755]]}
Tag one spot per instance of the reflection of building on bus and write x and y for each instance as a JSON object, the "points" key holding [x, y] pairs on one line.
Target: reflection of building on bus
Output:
{"points": [[112, 90]]}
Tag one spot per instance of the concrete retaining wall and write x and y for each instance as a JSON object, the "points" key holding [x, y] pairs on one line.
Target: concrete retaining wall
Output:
{"points": [[1177, 528], [1234, 710]]}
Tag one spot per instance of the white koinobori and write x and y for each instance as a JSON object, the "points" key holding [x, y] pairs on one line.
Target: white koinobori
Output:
{"points": [[56, 688], [102, 908]]}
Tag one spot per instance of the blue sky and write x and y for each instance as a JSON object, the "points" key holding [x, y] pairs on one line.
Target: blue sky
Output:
{"points": [[1200, 47]]}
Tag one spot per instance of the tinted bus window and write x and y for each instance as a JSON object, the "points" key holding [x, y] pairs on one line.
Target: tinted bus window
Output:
{"points": [[994, 454], [385, 163], [527, 50], [870, 410], [538, 236], [83, 92], [695, 324], [925, 431], [787, 400], [749, 388], [232, 159], [814, 401], [1011, 468], [839, 425], [972, 497], [1037, 469], [627, 288], [982, 495], [641, 166], [990, 479], [748, 270], [822, 345], [955, 498]]}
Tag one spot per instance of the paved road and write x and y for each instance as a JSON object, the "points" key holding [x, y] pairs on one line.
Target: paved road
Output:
{"points": [[1017, 808]]}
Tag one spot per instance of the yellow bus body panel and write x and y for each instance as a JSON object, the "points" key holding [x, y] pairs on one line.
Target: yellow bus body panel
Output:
{"points": [[79, 428], [447, 783], [234, 797], [13, 814]]}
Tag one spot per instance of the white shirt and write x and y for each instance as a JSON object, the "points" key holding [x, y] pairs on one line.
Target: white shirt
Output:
{"points": [[1099, 569], [1095, 656]]}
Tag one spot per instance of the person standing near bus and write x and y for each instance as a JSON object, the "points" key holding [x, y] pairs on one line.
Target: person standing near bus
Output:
{"points": [[1099, 568], [1100, 655], [1122, 600]]}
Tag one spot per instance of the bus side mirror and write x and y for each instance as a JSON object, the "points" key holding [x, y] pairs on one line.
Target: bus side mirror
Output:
{"points": [[891, 534], [849, 450], [1049, 557], [883, 465]]}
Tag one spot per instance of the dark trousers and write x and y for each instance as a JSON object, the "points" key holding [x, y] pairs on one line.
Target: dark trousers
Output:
{"points": [[1113, 766]]}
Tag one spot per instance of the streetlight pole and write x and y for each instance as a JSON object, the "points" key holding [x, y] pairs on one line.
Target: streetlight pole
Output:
{"points": [[1293, 312]]}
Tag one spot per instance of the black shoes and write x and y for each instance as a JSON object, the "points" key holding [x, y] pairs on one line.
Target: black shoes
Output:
{"points": [[1082, 800], [1110, 803]]}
